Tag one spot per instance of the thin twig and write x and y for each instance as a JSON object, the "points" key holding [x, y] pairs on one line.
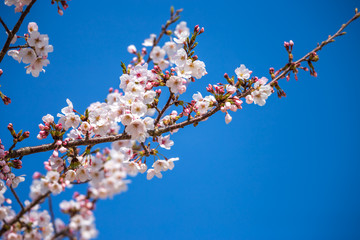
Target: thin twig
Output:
{"points": [[145, 149], [21, 213], [52, 213], [167, 105], [5, 26], [318, 48], [17, 198], [19, 46], [12, 146], [64, 232]]}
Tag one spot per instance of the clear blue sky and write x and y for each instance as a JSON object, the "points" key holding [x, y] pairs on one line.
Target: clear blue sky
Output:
{"points": [[288, 170]]}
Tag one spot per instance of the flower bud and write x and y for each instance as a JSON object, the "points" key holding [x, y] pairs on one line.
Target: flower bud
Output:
{"points": [[36, 175], [196, 28], [228, 118], [17, 163]]}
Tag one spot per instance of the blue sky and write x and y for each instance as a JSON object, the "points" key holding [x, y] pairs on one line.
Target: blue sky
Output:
{"points": [[288, 170]]}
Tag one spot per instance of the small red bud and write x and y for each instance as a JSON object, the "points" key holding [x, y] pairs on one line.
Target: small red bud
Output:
{"points": [[10, 126], [6, 99], [196, 28], [60, 11], [26, 134]]}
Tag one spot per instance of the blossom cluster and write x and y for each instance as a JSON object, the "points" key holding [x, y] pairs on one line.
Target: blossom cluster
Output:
{"points": [[133, 108], [35, 52], [82, 219], [19, 4], [35, 225], [6, 173]]}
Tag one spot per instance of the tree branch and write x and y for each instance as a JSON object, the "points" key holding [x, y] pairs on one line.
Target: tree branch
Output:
{"points": [[48, 147], [5, 26], [17, 198], [164, 108], [305, 58], [19, 46], [52, 213], [16, 28], [21, 213]]}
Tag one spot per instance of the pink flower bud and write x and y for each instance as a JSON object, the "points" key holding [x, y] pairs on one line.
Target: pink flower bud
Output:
{"points": [[26, 134], [233, 108], [60, 12], [228, 118], [36, 175], [196, 28], [58, 126], [131, 49]]}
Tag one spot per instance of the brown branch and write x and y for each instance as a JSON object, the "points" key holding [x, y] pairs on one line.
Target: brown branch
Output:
{"points": [[52, 213], [19, 46], [51, 146], [17, 198], [62, 233], [5, 26], [16, 28], [147, 153], [21, 213], [318, 48], [164, 109], [305, 58]]}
